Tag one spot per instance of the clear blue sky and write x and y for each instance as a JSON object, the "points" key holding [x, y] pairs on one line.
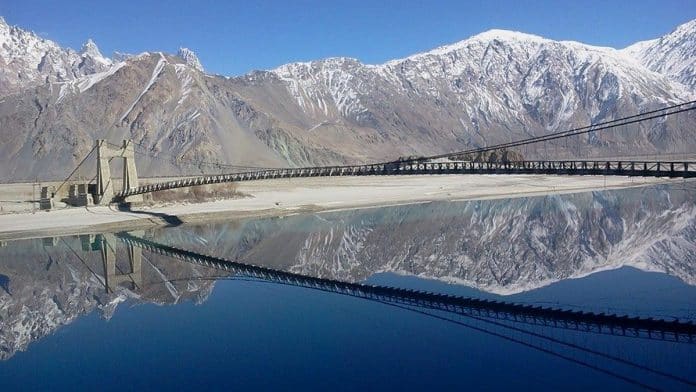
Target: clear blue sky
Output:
{"points": [[234, 37]]}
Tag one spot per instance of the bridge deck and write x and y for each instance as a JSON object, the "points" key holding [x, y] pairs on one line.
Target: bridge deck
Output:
{"points": [[582, 168]]}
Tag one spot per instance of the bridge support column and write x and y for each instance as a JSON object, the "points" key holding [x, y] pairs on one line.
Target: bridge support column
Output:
{"points": [[130, 174], [105, 187]]}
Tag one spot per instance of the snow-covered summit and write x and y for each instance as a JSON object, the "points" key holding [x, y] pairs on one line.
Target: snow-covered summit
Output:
{"points": [[509, 35], [511, 41], [673, 55], [495, 77], [28, 60], [189, 56], [486, 37], [90, 49]]}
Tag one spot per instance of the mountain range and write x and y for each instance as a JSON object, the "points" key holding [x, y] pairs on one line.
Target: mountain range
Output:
{"points": [[493, 87]]}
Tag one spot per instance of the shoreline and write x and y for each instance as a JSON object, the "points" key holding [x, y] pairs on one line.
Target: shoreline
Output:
{"points": [[284, 197]]}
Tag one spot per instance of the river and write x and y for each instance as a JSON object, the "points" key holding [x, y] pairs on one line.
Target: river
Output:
{"points": [[96, 311]]}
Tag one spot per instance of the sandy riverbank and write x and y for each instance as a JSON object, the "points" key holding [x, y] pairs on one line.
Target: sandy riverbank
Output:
{"points": [[304, 195]]}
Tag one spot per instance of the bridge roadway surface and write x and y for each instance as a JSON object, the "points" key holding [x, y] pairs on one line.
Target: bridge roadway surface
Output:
{"points": [[582, 167], [649, 328]]}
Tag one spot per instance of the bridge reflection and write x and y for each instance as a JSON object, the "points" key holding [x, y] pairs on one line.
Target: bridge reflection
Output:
{"points": [[479, 308], [572, 336], [131, 277], [113, 279], [105, 244], [521, 324]]}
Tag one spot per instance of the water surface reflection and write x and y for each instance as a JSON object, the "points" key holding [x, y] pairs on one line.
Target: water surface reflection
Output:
{"points": [[526, 249]]}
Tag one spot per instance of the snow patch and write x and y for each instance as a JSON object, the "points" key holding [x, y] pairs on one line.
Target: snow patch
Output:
{"points": [[155, 74], [184, 75]]}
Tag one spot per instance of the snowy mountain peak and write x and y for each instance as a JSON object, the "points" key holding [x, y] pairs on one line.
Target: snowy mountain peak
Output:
{"points": [[672, 55], [90, 48], [492, 77], [686, 28], [29, 60], [507, 38], [485, 37], [189, 56], [505, 35], [5, 32], [682, 33]]}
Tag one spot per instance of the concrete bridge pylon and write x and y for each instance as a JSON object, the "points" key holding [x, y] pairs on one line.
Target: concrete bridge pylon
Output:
{"points": [[105, 186]]}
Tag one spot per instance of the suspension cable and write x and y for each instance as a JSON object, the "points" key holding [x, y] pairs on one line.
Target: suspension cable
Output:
{"points": [[190, 161], [662, 112], [600, 126], [73, 172]]}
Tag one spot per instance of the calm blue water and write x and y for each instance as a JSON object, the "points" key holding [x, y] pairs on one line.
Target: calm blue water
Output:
{"points": [[176, 325]]}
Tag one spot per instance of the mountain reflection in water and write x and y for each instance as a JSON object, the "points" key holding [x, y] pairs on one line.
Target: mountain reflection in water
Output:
{"points": [[514, 246], [498, 246]]}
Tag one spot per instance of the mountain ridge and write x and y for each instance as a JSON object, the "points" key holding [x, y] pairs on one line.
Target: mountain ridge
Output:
{"points": [[493, 87], [633, 51], [673, 54]]}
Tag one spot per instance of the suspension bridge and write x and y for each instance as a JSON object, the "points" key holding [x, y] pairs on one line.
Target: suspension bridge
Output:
{"points": [[569, 155]]}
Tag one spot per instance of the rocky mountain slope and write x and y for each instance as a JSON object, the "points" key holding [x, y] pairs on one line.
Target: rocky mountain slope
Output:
{"points": [[490, 88]]}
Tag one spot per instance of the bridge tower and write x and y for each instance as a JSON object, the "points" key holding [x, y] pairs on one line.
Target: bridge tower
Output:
{"points": [[105, 187]]}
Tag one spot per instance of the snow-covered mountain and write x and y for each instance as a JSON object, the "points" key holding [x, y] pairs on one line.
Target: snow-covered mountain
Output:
{"points": [[493, 87], [673, 55], [27, 60], [491, 78], [190, 58]]}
